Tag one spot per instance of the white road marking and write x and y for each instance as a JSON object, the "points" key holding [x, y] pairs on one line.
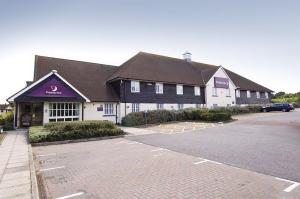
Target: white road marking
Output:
{"points": [[133, 143], [156, 155], [48, 169], [43, 155], [291, 187], [200, 162], [159, 149], [71, 196]]}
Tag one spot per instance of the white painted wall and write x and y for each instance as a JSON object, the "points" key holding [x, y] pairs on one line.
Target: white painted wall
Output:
{"points": [[221, 100], [91, 113]]}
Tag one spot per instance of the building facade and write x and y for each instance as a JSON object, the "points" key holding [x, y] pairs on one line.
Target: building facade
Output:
{"points": [[68, 90]]}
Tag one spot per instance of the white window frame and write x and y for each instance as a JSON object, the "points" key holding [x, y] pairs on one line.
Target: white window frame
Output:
{"points": [[238, 93], [135, 107], [179, 89], [159, 88], [257, 94], [109, 109], [135, 86], [180, 106], [248, 94], [197, 90], [228, 93], [214, 92], [159, 106], [64, 111], [267, 95]]}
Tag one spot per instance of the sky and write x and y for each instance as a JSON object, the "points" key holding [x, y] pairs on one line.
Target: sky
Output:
{"points": [[258, 39]]}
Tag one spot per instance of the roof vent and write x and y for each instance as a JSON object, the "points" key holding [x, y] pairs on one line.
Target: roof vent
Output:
{"points": [[187, 56]]}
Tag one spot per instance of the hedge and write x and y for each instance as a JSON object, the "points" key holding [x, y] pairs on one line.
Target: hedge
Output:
{"points": [[72, 130], [7, 121], [162, 116], [203, 114]]}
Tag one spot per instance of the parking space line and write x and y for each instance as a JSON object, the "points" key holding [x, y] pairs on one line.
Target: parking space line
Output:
{"points": [[200, 162], [53, 168], [71, 196], [291, 187], [154, 150], [43, 155]]}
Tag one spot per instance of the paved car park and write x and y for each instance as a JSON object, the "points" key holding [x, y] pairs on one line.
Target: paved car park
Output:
{"points": [[252, 158], [266, 143]]}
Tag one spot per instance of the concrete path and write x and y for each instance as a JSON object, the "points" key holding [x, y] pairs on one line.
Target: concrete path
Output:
{"points": [[15, 179]]}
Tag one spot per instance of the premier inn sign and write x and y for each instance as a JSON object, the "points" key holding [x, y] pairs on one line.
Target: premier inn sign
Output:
{"points": [[221, 82], [52, 88]]}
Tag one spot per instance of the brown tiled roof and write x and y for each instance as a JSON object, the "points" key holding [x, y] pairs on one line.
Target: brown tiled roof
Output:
{"points": [[89, 78], [244, 83], [150, 67]]}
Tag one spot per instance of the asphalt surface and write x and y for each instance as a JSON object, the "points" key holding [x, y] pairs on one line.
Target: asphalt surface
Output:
{"points": [[267, 143]]}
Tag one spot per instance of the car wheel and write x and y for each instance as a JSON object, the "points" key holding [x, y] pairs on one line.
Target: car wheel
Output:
{"points": [[264, 110], [283, 110]]}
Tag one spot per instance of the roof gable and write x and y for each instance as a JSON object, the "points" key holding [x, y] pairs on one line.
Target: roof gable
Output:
{"points": [[89, 78]]}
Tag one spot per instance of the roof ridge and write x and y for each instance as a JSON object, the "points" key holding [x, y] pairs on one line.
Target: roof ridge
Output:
{"points": [[141, 52], [87, 62]]}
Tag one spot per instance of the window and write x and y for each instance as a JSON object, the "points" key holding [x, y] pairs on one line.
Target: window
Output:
{"points": [[159, 88], [214, 91], [228, 92], [215, 105], [197, 90], [159, 106], [238, 93], [179, 89], [108, 109], [257, 94], [266, 95], [135, 107], [180, 106], [135, 86], [63, 112], [248, 94]]}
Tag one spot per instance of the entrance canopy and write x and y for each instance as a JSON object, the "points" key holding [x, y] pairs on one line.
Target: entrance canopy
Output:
{"points": [[52, 87]]}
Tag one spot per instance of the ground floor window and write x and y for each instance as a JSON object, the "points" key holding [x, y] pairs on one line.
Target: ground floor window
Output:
{"points": [[135, 107], [60, 112], [108, 109], [180, 106], [159, 106]]}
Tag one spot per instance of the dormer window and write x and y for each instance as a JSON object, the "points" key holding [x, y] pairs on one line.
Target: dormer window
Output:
{"points": [[159, 88], [135, 86], [179, 89]]}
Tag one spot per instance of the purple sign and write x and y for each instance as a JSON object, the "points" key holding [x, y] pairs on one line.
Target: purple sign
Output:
{"points": [[221, 82], [52, 88]]}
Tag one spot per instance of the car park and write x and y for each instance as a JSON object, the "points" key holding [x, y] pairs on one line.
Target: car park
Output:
{"points": [[284, 107]]}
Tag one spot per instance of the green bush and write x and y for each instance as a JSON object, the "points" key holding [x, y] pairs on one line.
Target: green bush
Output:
{"points": [[7, 121], [72, 130], [162, 116]]}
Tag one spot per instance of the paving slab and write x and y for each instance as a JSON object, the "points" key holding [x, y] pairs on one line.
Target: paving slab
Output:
{"points": [[15, 178]]}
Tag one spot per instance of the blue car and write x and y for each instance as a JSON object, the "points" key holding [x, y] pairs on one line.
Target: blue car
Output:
{"points": [[284, 107]]}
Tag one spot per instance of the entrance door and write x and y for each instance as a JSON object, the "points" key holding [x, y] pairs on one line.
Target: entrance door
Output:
{"points": [[31, 114]]}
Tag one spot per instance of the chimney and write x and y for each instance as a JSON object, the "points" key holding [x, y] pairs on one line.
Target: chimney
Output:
{"points": [[187, 56]]}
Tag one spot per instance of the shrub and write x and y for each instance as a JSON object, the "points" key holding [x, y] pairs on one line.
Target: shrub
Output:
{"points": [[162, 116], [7, 121], [72, 130]]}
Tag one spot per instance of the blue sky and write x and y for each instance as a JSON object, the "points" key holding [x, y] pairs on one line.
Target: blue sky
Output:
{"points": [[257, 39]]}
